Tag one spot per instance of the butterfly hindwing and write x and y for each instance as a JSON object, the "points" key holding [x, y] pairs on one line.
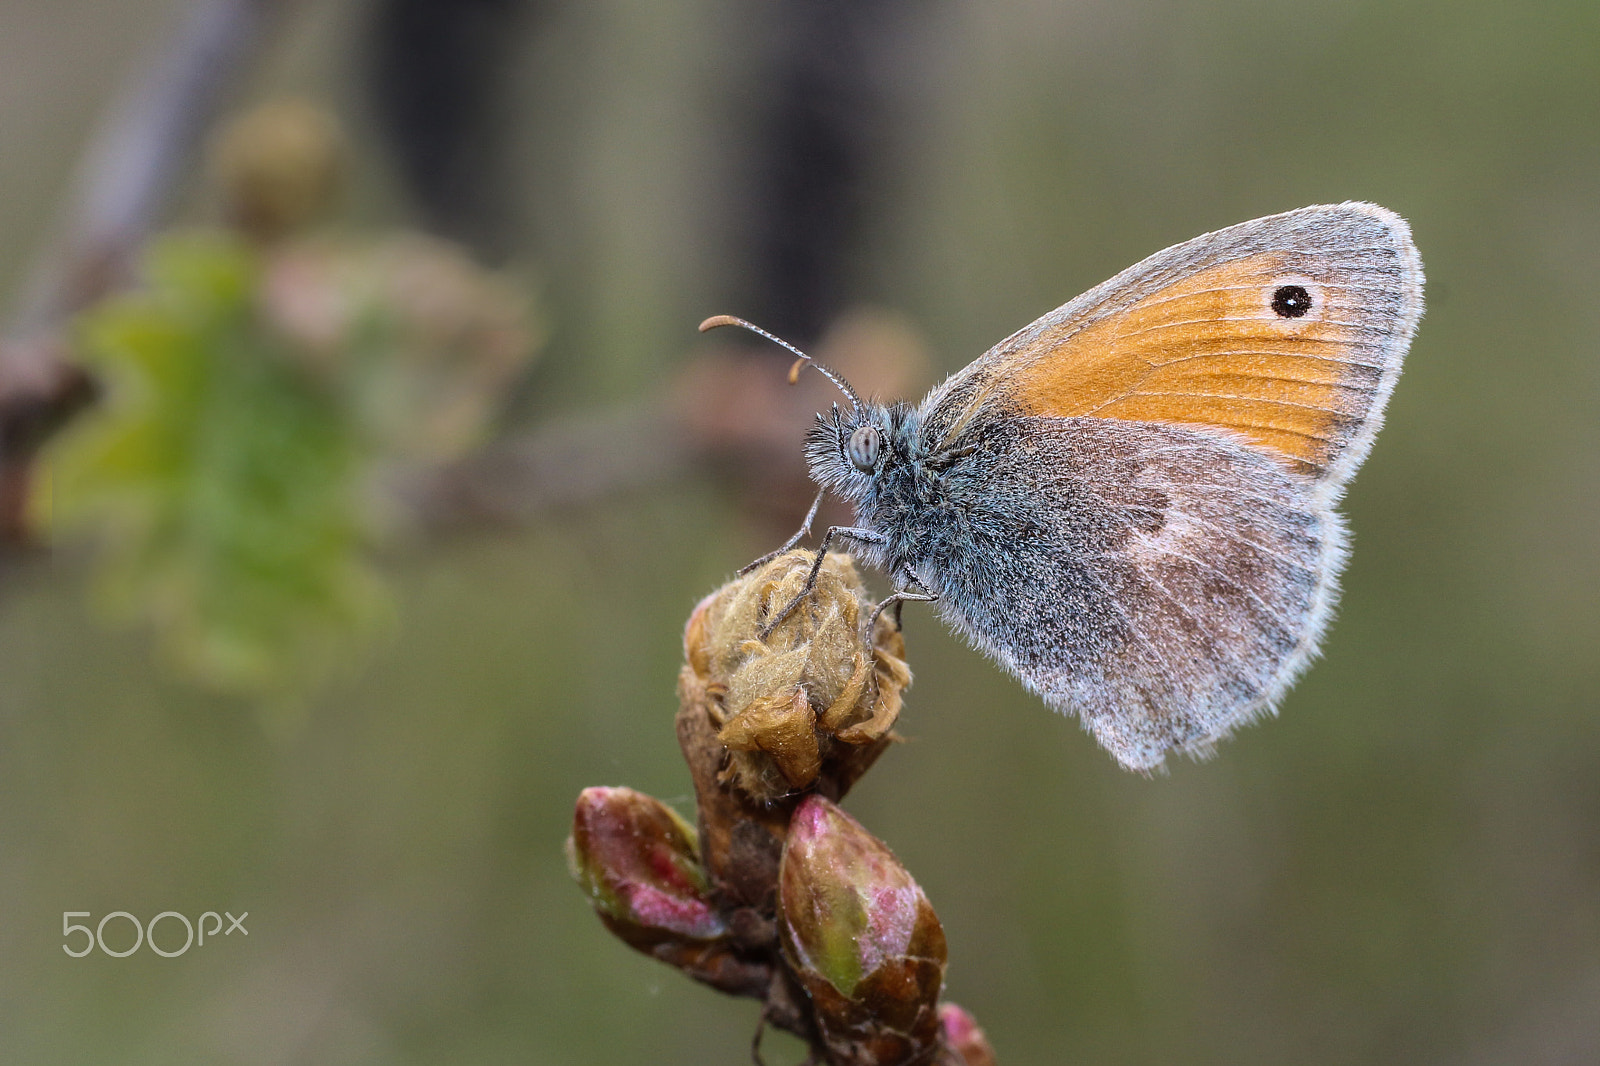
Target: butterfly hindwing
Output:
{"points": [[1163, 584]]}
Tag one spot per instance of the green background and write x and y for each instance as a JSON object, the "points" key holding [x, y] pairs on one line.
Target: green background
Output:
{"points": [[1404, 867]]}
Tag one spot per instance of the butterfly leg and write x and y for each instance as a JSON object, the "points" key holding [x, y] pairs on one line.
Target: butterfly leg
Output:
{"points": [[805, 527], [895, 599], [863, 536]]}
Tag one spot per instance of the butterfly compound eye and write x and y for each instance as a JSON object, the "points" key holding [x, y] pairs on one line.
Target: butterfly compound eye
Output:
{"points": [[865, 444], [1291, 301]]}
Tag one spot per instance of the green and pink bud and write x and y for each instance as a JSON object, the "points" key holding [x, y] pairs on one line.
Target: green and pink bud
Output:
{"points": [[863, 939]]}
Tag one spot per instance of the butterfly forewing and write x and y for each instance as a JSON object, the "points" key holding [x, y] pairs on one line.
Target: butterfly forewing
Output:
{"points": [[1288, 331]]}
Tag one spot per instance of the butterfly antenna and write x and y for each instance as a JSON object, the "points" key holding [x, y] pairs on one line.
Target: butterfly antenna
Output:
{"points": [[729, 320]]}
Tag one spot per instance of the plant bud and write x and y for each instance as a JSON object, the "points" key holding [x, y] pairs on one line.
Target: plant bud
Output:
{"points": [[812, 700], [638, 862], [278, 166], [862, 938], [961, 1032]]}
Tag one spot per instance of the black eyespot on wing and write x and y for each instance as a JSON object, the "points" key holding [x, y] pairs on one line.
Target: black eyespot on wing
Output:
{"points": [[1291, 301]]}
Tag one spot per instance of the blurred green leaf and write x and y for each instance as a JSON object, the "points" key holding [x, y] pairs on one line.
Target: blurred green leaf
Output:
{"points": [[222, 482]]}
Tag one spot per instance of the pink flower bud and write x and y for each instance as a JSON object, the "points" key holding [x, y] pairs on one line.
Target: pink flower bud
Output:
{"points": [[961, 1032], [638, 861]]}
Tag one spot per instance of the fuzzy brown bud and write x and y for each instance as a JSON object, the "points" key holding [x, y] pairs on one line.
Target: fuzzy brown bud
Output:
{"points": [[790, 706], [278, 166]]}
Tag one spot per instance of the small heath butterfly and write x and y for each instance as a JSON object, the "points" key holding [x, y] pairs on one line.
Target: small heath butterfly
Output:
{"points": [[1129, 504]]}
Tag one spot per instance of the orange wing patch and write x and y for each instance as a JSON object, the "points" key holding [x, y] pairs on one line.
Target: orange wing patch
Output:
{"points": [[1210, 349]]}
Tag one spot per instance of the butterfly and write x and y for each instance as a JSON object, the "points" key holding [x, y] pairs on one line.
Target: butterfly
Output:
{"points": [[1130, 503]]}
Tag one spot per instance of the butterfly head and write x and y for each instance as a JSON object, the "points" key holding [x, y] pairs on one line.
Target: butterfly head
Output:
{"points": [[846, 449], [850, 449]]}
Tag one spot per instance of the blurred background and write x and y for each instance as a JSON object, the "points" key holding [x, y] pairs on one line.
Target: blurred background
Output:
{"points": [[1403, 867]]}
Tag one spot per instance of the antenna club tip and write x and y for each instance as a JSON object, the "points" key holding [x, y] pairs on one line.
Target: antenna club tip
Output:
{"points": [[800, 357]]}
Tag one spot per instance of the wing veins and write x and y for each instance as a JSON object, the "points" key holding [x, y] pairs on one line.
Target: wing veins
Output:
{"points": [[1291, 381], [1266, 608], [1270, 355], [1250, 399], [1355, 327], [1342, 286], [1227, 534]]}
